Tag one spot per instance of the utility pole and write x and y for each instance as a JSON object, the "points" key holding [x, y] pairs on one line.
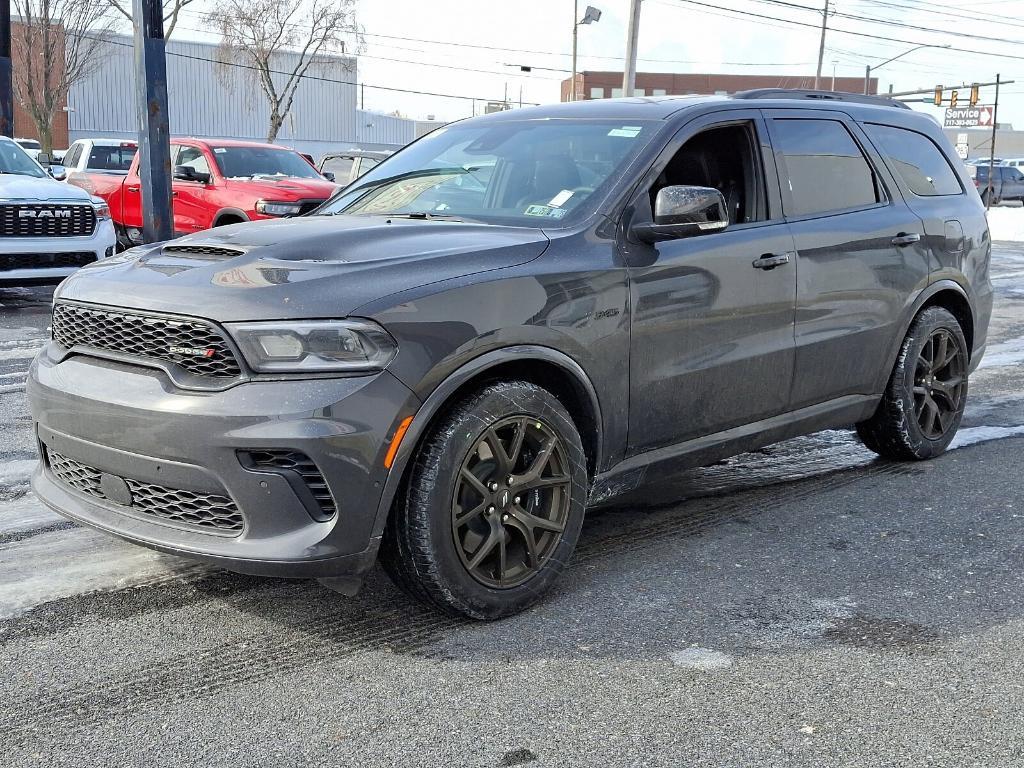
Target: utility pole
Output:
{"points": [[992, 152], [632, 37], [154, 132], [6, 77], [821, 47], [575, 37]]}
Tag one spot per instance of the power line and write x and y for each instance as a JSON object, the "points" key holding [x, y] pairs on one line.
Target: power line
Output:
{"points": [[867, 35]]}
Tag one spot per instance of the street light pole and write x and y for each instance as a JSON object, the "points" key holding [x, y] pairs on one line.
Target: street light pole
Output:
{"points": [[869, 69], [6, 75], [590, 15]]}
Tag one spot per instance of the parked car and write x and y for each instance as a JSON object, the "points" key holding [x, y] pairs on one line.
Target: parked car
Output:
{"points": [[47, 229], [1013, 162], [110, 156], [345, 167], [29, 145], [215, 183], [444, 372], [1007, 183]]}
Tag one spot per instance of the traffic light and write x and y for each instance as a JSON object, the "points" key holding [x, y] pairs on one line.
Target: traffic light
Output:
{"points": [[952, 99], [975, 94], [938, 95]]}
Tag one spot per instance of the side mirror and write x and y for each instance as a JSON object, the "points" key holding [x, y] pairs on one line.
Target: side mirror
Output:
{"points": [[681, 211], [58, 172], [328, 175], [188, 173], [43, 158]]}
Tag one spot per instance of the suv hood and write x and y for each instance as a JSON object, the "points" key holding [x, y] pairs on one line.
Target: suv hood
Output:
{"points": [[285, 189], [15, 187], [310, 267]]}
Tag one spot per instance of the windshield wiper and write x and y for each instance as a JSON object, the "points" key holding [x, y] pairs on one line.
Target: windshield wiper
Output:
{"points": [[422, 215]]}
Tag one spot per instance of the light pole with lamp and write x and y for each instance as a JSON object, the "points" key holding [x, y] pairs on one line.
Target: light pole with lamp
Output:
{"points": [[591, 15], [869, 69]]}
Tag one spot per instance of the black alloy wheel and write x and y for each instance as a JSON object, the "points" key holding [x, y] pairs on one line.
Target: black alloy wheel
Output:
{"points": [[511, 501], [939, 383], [924, 400], [492, 504]]}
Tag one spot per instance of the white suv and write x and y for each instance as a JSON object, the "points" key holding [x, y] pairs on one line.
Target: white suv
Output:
{"points": [[47, 229]]}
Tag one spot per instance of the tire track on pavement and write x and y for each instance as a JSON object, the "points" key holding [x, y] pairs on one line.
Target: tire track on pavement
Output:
{"points": [[358, 624]]}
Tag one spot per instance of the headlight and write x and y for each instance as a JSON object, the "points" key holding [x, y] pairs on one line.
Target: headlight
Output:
{"points": [[270, 208], [314, 346], [102, 211]]}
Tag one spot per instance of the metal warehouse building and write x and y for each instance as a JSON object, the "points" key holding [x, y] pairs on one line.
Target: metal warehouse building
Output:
{"points": [[211, 99]]}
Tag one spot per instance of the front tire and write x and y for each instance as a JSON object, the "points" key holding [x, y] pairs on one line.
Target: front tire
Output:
{"points": [[926, 395], [493, 504]]}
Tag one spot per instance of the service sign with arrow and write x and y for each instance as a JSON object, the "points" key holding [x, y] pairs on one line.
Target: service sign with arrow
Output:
{"points": [[968, 117]]}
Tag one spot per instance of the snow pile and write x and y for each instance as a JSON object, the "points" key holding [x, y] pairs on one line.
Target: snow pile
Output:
{"points": [[1006, 223]]}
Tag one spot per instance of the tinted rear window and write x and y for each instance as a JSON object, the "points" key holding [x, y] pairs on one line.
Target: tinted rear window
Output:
{"points": [[826, 168], [918, 161]]}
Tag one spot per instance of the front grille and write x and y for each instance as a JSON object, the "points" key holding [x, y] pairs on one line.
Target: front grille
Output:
{"points": [[9, 261], [192, 344], [310, 205], [300, 464], [196, 510], [202, 250], [47, 220]]}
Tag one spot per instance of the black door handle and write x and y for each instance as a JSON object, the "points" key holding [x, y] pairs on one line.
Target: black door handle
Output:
{"points": [[771, 261], [905, 238]]}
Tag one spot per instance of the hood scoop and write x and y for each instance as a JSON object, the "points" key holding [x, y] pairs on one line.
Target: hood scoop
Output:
{"points": [[201, 251]]}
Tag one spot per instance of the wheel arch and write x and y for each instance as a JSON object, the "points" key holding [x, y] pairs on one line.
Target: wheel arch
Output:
{"points": [[947, 294], [543, 366], [230, 213]]}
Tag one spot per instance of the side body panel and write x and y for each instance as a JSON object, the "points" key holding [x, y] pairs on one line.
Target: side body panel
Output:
{"points": [[712, 337], [853, 282]]}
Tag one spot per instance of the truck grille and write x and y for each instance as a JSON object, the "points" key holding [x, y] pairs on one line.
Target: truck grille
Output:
{"points": [[9, 261], [47, 220], [197, 510], [193, 345]]}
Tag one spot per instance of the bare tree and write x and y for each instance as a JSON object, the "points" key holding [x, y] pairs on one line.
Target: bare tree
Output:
{"points": [[172, 9], [59, 43], [278, 40]]}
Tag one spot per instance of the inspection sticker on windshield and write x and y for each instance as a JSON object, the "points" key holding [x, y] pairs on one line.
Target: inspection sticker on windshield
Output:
{"points": [[544, 210], [560, 199], [628, 131], [220, 150]]}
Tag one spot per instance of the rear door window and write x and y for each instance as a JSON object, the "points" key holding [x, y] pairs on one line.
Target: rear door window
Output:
{"points": [[917, 160], [826, 170]]}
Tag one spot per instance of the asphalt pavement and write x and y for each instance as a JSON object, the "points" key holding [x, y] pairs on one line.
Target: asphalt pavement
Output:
{"points": [[803, 605]]}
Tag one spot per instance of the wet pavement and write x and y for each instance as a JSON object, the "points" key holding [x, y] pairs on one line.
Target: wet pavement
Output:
{"points": [[806, 604]]}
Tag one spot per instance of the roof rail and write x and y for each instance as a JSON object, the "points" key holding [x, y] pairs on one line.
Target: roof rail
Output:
{"points": [[811, 95]]}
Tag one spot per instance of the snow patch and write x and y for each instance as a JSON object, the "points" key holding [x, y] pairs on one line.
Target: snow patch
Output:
{"points": [[17, 472], [701, 659], [1006, 224], [974, 435], [1000, 355]]}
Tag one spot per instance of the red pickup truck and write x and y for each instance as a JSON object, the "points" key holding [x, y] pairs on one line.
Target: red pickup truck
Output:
{"points": [[215, 182]]}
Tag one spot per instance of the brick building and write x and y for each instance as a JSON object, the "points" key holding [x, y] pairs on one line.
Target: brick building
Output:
{"points": [[608, 85], [24, 127]]}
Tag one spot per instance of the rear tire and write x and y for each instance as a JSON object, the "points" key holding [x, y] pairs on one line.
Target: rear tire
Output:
{"points": [[492, 506], [925, 398]]}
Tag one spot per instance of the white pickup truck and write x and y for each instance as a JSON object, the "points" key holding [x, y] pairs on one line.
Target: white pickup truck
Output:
{"points": [[47, 229]]}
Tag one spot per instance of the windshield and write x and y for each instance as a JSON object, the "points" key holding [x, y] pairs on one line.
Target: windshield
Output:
{"points": [[112, 158], [529, 173], [14, 160], [247, 162]]}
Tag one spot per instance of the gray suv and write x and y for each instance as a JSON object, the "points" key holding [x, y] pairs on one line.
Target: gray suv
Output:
{"points": [[439, 364]]}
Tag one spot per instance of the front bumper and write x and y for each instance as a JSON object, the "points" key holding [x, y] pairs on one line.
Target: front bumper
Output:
{"points": [[131, 423], [100, 244]]}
